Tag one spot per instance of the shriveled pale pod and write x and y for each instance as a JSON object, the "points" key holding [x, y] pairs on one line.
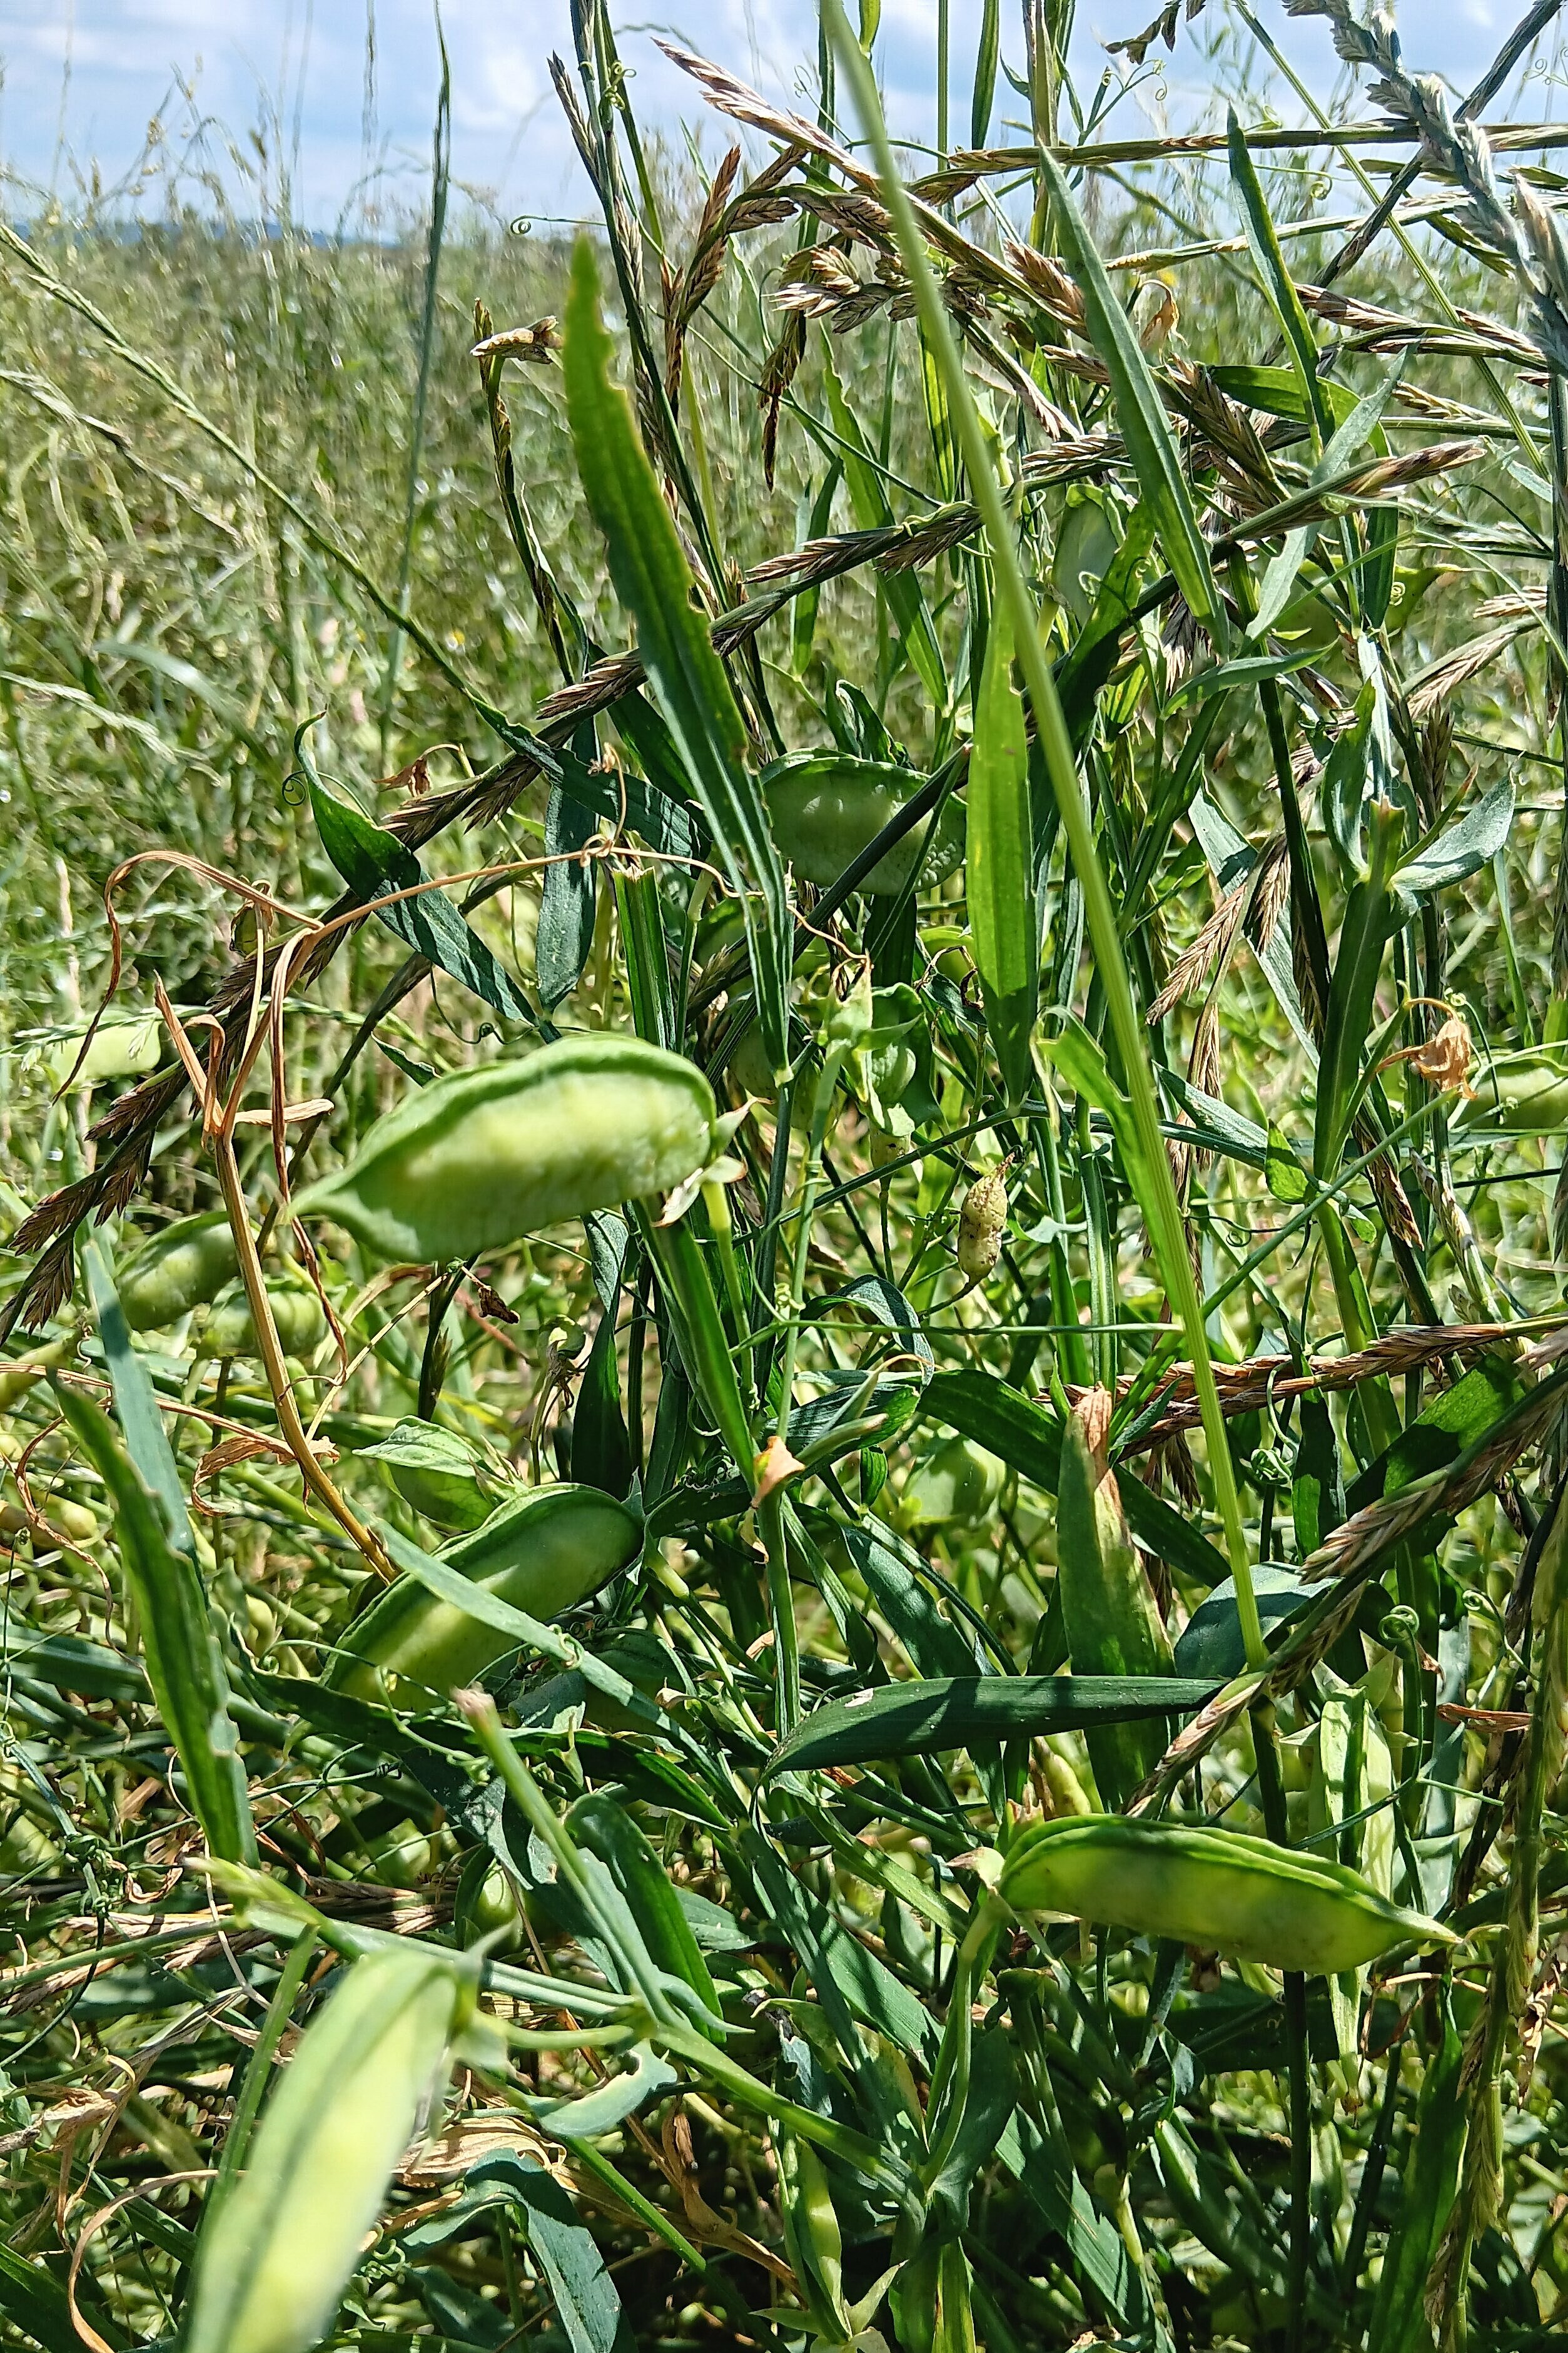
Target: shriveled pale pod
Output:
{"points": [[475, 1161], [982, 1222], [1216, 1889], [275, 2256]]}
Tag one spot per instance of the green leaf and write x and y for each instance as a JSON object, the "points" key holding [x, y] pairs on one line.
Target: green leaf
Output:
{"points": [[1285, 1178], [873, 511], [604, 1827], [985, 91], [654, 581], [373, 862], [1000, 863], [1452, 1420], [1431, 2179], [179, 1643], [688, 1294], [587, 2301], [1461, 849], [136, 1402], [1211, 1642], [1140, 411], [36, 2303], [913, 1719], [1267, 254], [1370, 918]]}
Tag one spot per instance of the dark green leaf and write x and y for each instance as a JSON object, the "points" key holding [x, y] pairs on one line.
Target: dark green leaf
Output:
{"points": [[914, 1718]]}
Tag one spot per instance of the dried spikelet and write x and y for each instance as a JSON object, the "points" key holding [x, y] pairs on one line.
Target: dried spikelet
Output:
{"points": [[1203, 1062], [926, 542], [1392, 1201], [1211, 947], [576, 121], [538, 343], [1433, 686], [1226, 434], [685, 294], [1047, 280], [1269, 895], [778, 375], [1086, 454]]}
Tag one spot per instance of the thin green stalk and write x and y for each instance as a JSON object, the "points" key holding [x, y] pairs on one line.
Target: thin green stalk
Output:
{"points": [[1169, 1239]]}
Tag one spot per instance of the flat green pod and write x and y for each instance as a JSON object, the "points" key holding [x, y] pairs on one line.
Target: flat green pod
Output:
{"points": [[298, 1315], [1524, 1093], [184, 1267], [274, 2258], [826, 806], [1215, 1889], [543, 1553], [475, 1161], [436, 1471], [957, 1483]]}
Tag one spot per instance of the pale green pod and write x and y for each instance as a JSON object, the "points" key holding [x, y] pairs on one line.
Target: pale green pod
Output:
{"points": [[184, 1267], [955, 1485], [299, 1319], [1215, 1889], [274, 2258], [827, 807], [542, 1554], [475, 1161], [436, 1472], [1522, 1094]]}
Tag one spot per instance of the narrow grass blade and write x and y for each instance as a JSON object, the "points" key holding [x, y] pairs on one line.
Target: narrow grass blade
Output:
{"points": [[914, 1719], [654, 581], [185, 1664], [1166, 493], [1140, 412], [999, 869]]}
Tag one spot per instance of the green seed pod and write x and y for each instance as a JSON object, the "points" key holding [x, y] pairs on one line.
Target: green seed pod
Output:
{"points": [[277, 2252], [957, 1484], [476, 1161], [1216, 1889], [1522, 1094], [542, 1554], [487, 1904], [436, 1472], [1084, 547], [827, 807], [297, 1314], [184, 1267]]}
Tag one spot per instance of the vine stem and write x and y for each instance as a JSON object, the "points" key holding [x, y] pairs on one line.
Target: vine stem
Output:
{"points": [[270, 1350], [1168, 1235]]}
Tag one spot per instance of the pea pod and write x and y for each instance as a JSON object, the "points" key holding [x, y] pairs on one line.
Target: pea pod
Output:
{"points": [[1523, 1094], [475, 1161], [297, 1313], [827, 808], [542, 1554], [437, 1471], [1213, 1888], [184, 1267], [277, 2252]]}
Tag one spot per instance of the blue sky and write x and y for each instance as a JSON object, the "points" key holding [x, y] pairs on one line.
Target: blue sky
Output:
{"points": [[306, 59]]}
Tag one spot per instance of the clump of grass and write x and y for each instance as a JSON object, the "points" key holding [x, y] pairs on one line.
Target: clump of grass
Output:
{"points": [[1111, 1363]]}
